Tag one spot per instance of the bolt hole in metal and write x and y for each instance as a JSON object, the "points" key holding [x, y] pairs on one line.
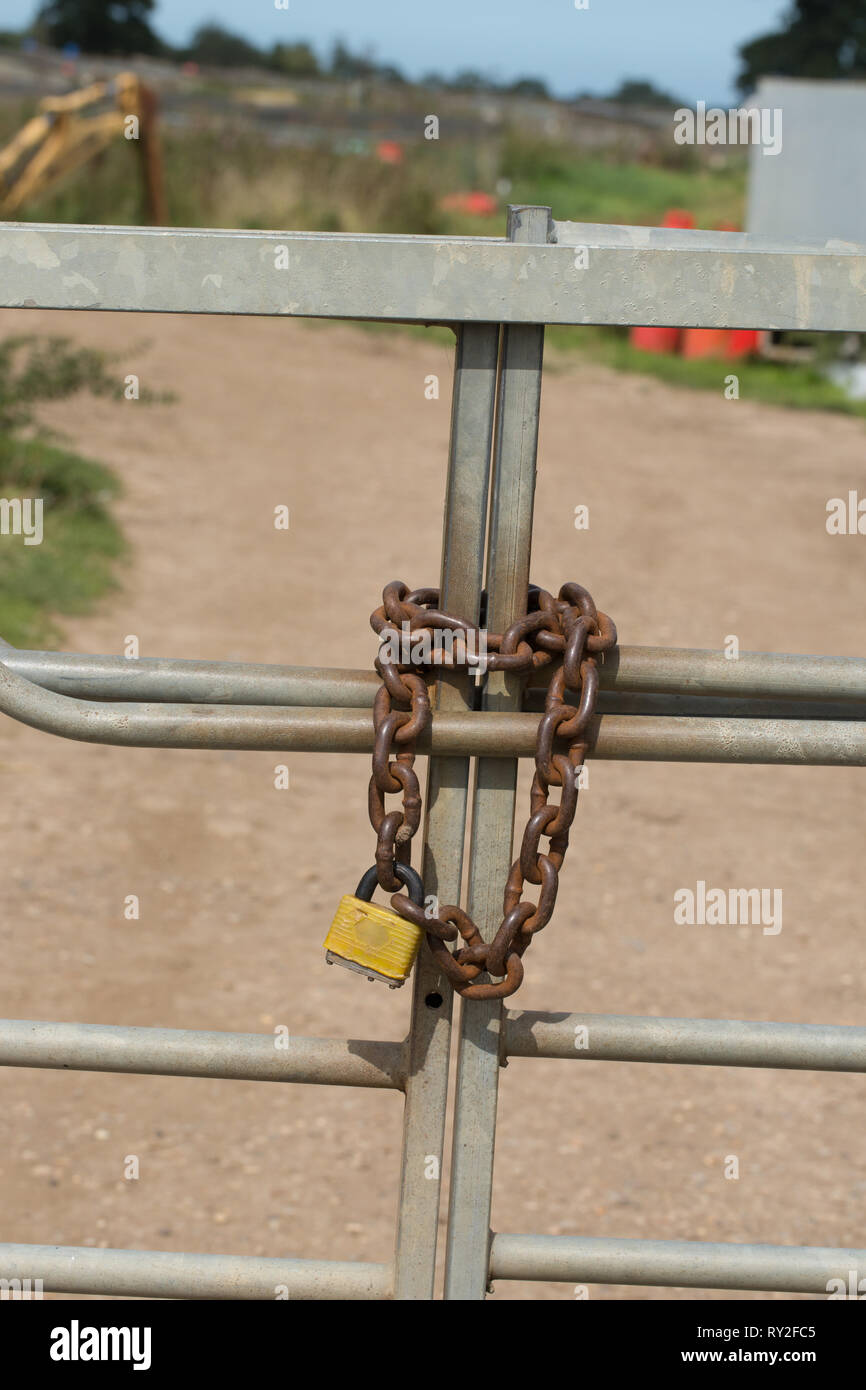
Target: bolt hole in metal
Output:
{"points": [[433, 1001]]}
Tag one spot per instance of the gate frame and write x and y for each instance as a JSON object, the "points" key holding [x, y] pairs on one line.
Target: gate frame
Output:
{"points": [[497, 294]]}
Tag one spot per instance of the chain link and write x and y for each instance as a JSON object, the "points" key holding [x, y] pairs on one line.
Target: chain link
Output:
{"points": [[569, 627]]}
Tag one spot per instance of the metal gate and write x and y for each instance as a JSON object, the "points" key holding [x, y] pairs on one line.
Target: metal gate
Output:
{"points": [[657, 704]]}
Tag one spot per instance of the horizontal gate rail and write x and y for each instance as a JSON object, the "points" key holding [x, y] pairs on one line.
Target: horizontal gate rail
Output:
{"points": [[710, 280], [302, 729], [166, 681], [683, 1264], [680, 670], [556, 1259], [713, 706], [164, 1274], [633, 670], [709, 1042], [189, 1052]]}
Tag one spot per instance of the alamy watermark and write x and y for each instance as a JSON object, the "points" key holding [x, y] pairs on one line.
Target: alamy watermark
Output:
{"points": [[854, 1289], [77, 1343], [846, 516], [741, 125], [702, 906], [440, 646], [20, 1290], [22, 516]]}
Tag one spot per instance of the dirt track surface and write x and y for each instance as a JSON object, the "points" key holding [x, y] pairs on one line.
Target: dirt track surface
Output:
{"points": [[707, 518]]}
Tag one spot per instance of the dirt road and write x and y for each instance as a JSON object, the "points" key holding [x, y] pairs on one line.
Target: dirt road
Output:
{"points": [[706, 519]]}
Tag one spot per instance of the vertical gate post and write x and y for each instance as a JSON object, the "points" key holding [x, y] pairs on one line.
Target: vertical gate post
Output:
{"points": [[509, 545], [464, 527]]}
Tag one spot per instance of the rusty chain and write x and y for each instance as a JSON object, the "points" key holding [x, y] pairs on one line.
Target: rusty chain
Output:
{"points": [[570, 627]]}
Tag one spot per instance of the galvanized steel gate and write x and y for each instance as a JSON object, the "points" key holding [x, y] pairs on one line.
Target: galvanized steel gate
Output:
{"points": [[658, 704]]}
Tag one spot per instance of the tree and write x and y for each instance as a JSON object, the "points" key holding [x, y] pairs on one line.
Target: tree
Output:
{"points": [[469, 80], [529, 87], [216, 47], [638, 92], [387, 72], [99, 26], [821, 38], [294, 59], [349, 65]]}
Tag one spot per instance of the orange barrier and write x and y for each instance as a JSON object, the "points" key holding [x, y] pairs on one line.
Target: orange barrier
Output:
{"points": [[743, 342], [704, 342], [475, 203], [389, 152]]}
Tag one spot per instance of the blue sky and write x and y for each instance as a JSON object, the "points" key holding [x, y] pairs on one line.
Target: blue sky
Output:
{"points": [[685, 46]]}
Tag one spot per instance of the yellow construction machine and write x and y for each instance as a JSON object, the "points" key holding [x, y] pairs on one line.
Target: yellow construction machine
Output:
{"points": [[70, 130]]}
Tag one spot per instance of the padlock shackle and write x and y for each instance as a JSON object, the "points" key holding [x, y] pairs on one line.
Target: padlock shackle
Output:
{"points": [[407, 875]]}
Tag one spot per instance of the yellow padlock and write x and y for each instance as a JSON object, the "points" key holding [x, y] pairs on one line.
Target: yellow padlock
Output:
{"points": [[376, 941]]}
